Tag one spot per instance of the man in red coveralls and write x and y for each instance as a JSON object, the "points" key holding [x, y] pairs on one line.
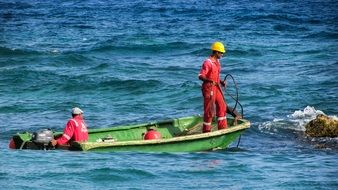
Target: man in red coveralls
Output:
{"points": [[75, 130], [211, 89]]}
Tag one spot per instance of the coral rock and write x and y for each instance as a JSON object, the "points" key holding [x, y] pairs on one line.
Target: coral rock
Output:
{"points": [[322, 126]]}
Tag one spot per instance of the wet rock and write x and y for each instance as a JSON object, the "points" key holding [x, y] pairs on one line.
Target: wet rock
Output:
{"points": [[326, 143], [322, 126]]}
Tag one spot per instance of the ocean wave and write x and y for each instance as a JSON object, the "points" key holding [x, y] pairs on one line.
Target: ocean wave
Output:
{"points": [[270, 17], [4, 51], [118, 174], [131, 83], [27, 50], [101, 66], [73, 59], [199, 52], [44, 80], [143, 47], [289, 28], [15, 5], [27, 78], [323, 35], [83, 83], [244, 53]]}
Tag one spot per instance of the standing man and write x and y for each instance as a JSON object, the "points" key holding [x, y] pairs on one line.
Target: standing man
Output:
{"points": [[211, 89], [75, 130]]}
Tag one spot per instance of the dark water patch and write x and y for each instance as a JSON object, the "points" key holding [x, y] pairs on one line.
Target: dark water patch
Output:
{"points": [[245, 53], [73, 165], [323, 143], [24, 79], [188, 85], [322, 35], [307, 52], [229, 27], [82, 26], [289, 28], [10, 52], [34, 80], [234, 149], [3, 176], [100, 67], [173, 68], [16, 108], [121, 174], [269, 18], [200, 171], [326, 70], [115, 46], [84, 83], [131, 84], [106, 176], [15, 5], [200, 52], [74, 59]]}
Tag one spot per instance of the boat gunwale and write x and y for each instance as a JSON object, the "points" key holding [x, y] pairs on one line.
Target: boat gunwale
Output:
{"points": [[244, 125]]}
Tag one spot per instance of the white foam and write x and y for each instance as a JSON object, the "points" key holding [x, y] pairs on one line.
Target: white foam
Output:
{"points": [[295, 121], [308, 112], [333, 117], [268, 127], [301, 118], [55, 51]]}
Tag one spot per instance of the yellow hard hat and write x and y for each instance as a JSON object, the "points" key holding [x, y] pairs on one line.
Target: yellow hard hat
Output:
{"points": [[218, 46]]}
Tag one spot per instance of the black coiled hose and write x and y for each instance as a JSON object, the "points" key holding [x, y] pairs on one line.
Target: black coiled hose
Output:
{"points": [[236, 99]]}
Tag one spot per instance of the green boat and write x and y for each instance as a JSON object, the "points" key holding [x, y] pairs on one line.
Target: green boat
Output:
{"points": [[177, 135]]}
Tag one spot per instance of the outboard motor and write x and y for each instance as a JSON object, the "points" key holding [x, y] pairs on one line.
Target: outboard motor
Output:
{"points": [[42, 138]]}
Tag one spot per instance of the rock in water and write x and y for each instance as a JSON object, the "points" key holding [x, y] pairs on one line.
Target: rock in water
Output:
{"points": [[322, 126]]}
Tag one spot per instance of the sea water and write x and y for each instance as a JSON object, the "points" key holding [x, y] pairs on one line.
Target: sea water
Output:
{"points": [[127, 62]]}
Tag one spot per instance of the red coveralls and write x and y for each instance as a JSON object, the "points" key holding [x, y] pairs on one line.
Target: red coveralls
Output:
{"points": [[76, 130], [212, 95]]}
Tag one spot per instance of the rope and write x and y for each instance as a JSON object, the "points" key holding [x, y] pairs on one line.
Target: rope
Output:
{"points": [[23, 144]]}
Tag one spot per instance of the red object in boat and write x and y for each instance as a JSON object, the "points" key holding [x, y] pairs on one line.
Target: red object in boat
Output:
{"points": [[152, 134]]}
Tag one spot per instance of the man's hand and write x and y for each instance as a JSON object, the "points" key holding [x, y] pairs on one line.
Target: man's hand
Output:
{"points": [[223, 83], [236, 119], [54, 142]]}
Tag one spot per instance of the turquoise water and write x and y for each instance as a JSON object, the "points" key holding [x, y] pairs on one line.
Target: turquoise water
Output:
{"points": [[137, 61]]}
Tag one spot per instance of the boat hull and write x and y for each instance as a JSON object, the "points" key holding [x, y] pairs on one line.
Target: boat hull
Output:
{"points": [[178, 135], [184, 145]]}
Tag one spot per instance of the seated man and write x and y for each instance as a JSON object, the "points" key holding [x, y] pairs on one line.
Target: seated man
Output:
{"points": [[75, 130]]}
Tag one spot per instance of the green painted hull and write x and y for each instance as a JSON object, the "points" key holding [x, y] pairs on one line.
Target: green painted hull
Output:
{"points": [[178, 135]]}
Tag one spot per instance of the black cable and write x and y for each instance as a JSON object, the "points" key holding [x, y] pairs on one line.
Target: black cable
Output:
{"points": [[237, 102], [236, 99]]}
